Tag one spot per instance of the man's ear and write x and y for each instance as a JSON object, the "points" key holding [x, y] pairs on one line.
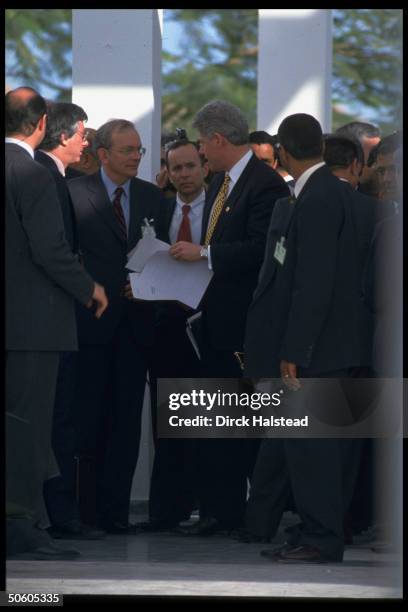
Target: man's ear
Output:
{"points": [[206, 169], [42, 123], [355, 168]]}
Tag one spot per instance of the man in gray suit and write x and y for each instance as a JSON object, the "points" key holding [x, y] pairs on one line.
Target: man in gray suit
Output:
{"points": [[43, 278]]}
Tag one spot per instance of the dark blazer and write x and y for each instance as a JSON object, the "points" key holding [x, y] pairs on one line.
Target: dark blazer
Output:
{"points": [[64, 198], [43, 276], [309, 310], [237, 249], [104, 253]]}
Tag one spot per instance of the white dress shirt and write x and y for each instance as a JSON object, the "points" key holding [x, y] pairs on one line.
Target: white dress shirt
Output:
{"points": [[23, 144], [305, 176], [195, 215], [57, 161]]}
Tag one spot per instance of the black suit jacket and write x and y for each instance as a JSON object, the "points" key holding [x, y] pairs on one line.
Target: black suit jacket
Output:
{"points": [[309, 310], [104, 253], [64, 198], [237, 249], [43, 276]]}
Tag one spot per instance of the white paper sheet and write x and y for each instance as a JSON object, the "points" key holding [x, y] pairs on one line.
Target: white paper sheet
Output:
{"points": [[165, 278], [145, 248]]}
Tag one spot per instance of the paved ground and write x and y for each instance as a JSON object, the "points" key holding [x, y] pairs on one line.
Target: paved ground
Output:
{"points": [[168, 564]]}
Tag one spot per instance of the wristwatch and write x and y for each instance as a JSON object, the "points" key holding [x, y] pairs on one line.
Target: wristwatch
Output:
{"points": [[204, 252]]}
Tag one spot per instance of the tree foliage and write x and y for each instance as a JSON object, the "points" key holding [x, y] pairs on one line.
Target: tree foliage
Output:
{"points": [[38, 45], [218, 59], [366, 64]]}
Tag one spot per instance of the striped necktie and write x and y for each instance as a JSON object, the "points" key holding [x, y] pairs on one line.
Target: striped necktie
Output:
{"points": [[118, 210], [217, 208]]}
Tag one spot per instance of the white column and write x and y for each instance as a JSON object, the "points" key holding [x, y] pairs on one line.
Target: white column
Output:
{"points": [[294, 66], [116, 72]]}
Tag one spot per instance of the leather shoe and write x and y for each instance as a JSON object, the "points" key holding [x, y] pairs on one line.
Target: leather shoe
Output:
{"points": [[153, 526], [299, 554], [48, 552], [203, 527], [273, 553], [75, 530]]}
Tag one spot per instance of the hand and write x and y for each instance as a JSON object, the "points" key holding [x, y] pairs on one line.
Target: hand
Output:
{"points": [[99, 296], [185, 251], [162, 178], [288, 373]]}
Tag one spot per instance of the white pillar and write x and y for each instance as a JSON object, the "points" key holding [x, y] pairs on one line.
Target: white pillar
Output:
{"points": [[294, 66], [116, 72]]}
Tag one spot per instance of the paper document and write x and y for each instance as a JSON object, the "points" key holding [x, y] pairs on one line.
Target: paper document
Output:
{"points": [[145, 248], [165, 278]]}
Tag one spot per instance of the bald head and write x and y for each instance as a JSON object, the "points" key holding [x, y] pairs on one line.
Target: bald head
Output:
{"points": [[24, 109]]}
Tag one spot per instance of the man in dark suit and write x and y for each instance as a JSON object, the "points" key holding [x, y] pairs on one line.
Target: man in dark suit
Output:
{"points": [[64, 141], [237, 213], [43, 278], [307, 319], [111, 207], [171, 498]]}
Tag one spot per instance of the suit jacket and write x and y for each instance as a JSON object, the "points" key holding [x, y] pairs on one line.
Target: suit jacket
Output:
{"points": [[43, 276], [104, 253], [64, 198], [237, 249], [309, 310]]}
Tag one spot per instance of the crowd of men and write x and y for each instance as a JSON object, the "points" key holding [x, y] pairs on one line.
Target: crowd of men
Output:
{"points": [[294, 228]]}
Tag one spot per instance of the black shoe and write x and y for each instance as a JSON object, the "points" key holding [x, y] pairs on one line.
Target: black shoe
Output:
{"points": [[75, 530], [299, 554], [203, 527], [48, 552], [273, 553], [116, 527], [153, 526]]}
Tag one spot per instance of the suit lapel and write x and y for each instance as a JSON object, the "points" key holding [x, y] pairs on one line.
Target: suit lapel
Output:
{"points": [[100, 201], [232, 199], [209, 201]]}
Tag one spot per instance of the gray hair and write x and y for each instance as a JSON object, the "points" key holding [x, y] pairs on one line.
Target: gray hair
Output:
{"points": [[224, 118], [103, 136]]}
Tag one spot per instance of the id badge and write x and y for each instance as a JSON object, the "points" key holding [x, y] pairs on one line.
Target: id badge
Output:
{"points": [[280, 251]]}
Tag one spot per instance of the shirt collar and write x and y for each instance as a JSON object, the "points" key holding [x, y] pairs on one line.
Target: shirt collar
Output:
{"points": [[57, 161], [111, 186], [305, 176], [200, 199], [238, 168], [22, 144]]}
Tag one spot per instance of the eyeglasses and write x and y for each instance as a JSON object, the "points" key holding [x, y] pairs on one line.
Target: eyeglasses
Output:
{"points": [[83, 136], [126, 151]]}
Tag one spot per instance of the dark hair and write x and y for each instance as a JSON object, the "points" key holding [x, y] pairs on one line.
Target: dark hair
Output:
{"points": [[167, 137], [176, 144], [357, 130], [23, 112], [62, 118], [261, 137], [301, 135], [388, 144], [340, 152]]}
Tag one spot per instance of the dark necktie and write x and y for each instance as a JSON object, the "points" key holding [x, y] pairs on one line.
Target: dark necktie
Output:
{"points": [[184, 232], [118, 210]]}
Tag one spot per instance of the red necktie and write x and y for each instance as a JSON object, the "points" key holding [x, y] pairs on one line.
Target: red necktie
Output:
{"points": [[118, 210], [184, 232]]}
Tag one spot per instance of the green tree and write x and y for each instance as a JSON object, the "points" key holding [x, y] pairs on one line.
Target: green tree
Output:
{"points": [[219, 56], [367, 63], [38, 48]]}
